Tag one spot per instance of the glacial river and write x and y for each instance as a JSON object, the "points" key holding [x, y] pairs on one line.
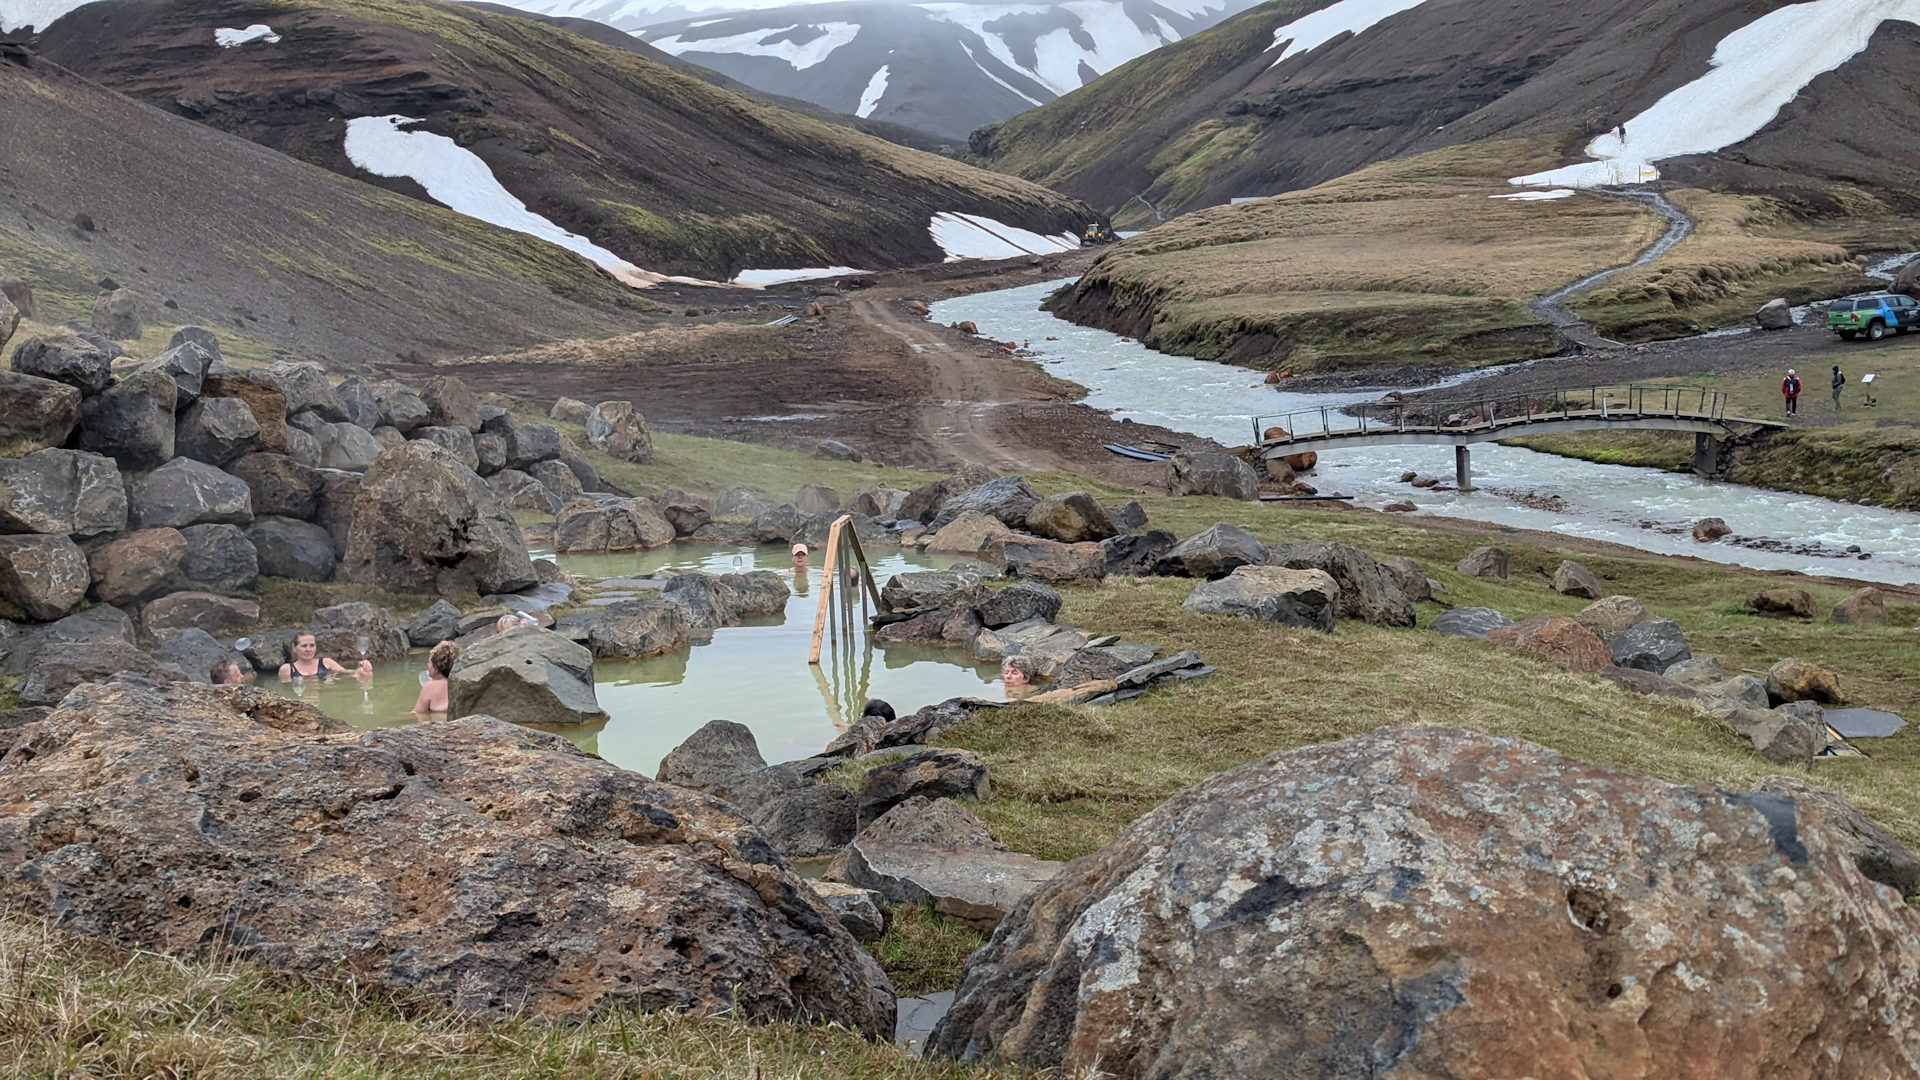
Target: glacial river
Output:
{"points": [[1641, 508]]}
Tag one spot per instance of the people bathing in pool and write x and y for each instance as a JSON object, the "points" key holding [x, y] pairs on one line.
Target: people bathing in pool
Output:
{"points": [[226, 672], [433, 694], [306, 663]]}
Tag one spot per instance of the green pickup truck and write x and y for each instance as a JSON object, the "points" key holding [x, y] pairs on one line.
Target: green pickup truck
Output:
{"points": [[1872, 316]]}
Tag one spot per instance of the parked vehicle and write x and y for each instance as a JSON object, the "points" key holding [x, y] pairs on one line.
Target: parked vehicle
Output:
{"points": [[1872, 316]]}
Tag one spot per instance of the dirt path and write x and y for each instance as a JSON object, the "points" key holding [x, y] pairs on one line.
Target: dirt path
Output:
{"points": [[1553, 306]]}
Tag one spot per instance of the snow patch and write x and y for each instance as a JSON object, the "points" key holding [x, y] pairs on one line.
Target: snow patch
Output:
{"points": [[1756, 70], [1536, 196], [226, 37], [760, 43], [39, 14], [1309, 32], [870, 97], [759, 279], [970, 236], [1059, 53], [1004, 84], [458, 179]]}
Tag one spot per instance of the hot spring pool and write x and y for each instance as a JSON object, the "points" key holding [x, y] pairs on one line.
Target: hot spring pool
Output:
{"points": [[755, 674]]}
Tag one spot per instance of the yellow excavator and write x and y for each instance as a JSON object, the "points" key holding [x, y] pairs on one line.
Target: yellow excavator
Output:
{"points": [[1097, 234]]}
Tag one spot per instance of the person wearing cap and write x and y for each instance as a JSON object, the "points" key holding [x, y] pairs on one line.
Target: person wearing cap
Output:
{"points": [[799, 556], [1790, 389]]}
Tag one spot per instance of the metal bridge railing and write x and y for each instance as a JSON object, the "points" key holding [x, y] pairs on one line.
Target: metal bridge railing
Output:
{"points": [[1632, 401]]}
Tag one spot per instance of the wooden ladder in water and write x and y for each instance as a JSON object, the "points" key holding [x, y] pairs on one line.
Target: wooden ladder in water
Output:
{"points": [[837, 596]]}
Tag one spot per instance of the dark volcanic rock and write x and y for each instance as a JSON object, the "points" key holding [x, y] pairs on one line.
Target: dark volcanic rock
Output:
{"points": [[289, 548], [187, 492], [44, 576], [1017, 603], [64, 358], [1212, 553], [399, 406], [1369, 591], [1471, 622], [439, 622], [934, 773], [57, 671], [219, 557], [526, 675], [280, 485], [137, 566], [1653, 645], [232, 821], [216, 430], [1362, 876], [1308, 599], [131, 421], [715, 753], [423, 522], [68, 492], [1137, 555], [35, 413]]}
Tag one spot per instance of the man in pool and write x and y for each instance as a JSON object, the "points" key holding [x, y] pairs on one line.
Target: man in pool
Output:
{"points": [[799, 556], [226, 672], [307, 663], [433, 693]]}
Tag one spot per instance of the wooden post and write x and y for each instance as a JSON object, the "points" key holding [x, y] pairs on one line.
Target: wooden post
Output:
{"points": [[823, 609]]}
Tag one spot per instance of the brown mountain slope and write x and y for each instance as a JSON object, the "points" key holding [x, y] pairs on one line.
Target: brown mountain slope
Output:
{"points": [[1212, 117], [212, 229], [669, 172]]}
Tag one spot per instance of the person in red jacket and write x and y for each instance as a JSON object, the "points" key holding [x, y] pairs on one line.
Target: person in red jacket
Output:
{"points": [[1790, 389]]}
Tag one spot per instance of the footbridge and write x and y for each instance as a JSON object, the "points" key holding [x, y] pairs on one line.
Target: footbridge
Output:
{"points": [[1393, 421]]}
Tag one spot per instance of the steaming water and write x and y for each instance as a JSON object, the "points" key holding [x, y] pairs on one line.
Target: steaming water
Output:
{"points": [[1642, 508], [755, 675]]}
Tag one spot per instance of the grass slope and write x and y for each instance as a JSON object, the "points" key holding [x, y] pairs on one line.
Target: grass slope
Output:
{"points": [[671, 172]]}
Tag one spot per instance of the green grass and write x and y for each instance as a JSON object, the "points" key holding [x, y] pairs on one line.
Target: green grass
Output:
{"points": [[708, 466], [70, 1007], [923, 951], [1857, 454]]}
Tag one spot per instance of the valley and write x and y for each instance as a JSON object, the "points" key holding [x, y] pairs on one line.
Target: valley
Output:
{"points": [[674, 537]]}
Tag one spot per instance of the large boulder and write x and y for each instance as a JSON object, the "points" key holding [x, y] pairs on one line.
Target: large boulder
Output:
{"points": [[44, 576], [35, 413], [1611, 616], [67, 492], [65, 358], [117, 314], [528, 443], [526, 675], [1071, 518], [914, 590], [423, 522], [815, 499], [333, 506], [1017, 603], [1775, 314], [1863, 607], [776, 524], [555, 476], [186, 363], [457, 440], [1407, 574], [716, 752], [347, 446], [1572, 579], [1793, 679], [131, 421], [1048, 560], [1779, 735], [970, 533], [337, 631], [518, 491], [290, 548], [211, 612], [450, 404], [439, 622], [138, 566], [218, 557], [261, 392], [1878, 854], [1782, 603], [615, 429], [193, 652], [281, 486], [934, 853], [1555, 637], [631, 629], [1422, 902], [1469, 622], [1369, 591], [1304, 598], [1652, 645], [187, 492], [1221, 475], [621, 525], [216, 430], [879, 502], [925, 502], [1214, 552], [251, 821], [400, 407], [569, 410], [1008, 499], [1137, 554], [491, 451], [1484, 562], [356, 397], [56, 672]]}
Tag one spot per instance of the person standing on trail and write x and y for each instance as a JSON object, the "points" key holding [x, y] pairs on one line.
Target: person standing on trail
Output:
{"points": [[1839, 380], [1790, 389]]}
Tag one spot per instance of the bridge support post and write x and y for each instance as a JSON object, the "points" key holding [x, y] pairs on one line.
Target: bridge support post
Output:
{"points": [[1706, 455], [1462, 469]]}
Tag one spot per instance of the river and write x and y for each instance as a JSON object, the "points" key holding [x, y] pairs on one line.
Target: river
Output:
{"points": [[1641, 508]]}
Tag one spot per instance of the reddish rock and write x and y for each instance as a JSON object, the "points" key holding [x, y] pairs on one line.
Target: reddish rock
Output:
{"points": [[1556, 637], [1782, 603], [1707, 530]]}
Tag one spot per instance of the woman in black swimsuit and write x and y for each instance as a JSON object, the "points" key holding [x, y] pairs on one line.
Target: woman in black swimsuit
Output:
{"points": [[307, 663]]}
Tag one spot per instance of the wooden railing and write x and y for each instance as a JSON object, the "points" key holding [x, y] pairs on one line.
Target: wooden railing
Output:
{"points": [[1632, 401], [845, 580]]}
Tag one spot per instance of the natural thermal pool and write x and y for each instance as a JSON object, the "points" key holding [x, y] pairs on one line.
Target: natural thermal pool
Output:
{"points": [[755, 675], [1642, 508]]}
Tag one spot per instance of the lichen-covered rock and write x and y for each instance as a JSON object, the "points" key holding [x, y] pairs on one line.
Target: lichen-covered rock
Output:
{"points": [[1555, 637], [64, 492], [187, 492], [937, 772], [450, 404], [35, 413], [1213, 552], [1793, 679], [450, 859], [1422, 902], [207, 611], [559, 480], [617, 430], [621, 525], [44, 576], [1017, 603], [526, 675], [138, 566], [1572, 579], [64, 358], [1073, 517], [423, 522], [457, 440], [934, 853], [1221, 475], [1863, 607], [216, 430], [1878, 854], [337, 631], [281, 486], [913, 590]]}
